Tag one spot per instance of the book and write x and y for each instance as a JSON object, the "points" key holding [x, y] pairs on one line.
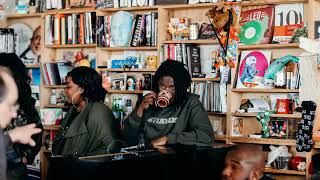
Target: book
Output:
{"points": [[258, 105], [49, 116], [63, 68], [195, 61], [257, 15], [252, 67], [317, 29], [288, 17], [237, 126]]}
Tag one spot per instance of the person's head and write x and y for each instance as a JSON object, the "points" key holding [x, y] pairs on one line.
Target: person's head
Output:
{"points": [[121, 27], [35, 41], [8, 97], [174, 77], [22, 79], [244, 162], [84, 84]]}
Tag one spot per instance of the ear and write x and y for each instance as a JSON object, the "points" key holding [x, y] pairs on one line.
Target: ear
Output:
{"points": [[81, 90], [256, 175]]}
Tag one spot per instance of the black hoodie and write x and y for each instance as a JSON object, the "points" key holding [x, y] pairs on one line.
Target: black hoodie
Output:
{"points": [[188, 124]]}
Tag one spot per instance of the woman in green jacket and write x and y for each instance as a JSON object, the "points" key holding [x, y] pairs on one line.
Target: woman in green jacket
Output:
{"points": [[89, 127]]}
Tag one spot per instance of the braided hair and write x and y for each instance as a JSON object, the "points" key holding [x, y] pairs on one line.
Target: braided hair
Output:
{"points": [[179, 74]]}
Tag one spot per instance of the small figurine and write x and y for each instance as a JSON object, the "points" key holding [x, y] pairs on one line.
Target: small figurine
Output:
{"points": [[151, 62], [131, 83], [138, 84]]}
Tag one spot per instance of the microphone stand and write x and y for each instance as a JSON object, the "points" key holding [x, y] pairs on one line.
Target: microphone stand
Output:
{"points": [[141, 134]]}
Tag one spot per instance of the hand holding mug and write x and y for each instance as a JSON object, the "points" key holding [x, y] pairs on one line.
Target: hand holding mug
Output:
{"points": [[146, 102]]}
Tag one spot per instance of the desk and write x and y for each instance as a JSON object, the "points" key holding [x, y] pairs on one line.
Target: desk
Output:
{"points": [[178, 163]]}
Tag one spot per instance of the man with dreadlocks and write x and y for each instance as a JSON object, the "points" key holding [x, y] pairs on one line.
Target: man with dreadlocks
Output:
{"points": [[183, 121]]}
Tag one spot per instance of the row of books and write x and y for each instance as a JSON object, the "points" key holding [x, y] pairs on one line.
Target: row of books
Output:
{"points": [[188, 54], [62, 4], [78, 28], [123, 3], [55, 73], [212, 95], [144, 30], [7, 40]]}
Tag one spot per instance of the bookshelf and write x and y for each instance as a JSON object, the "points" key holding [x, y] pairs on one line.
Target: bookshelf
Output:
{"points": [[140, 8], [205, 79], [199, 41], [289, 116], [125, 92], [71, 46], [19, 16], [284, 171], [146, 48], [268, 46], [70, 10], [267, 141], [260, 90], [125, 70], [196, 12]]}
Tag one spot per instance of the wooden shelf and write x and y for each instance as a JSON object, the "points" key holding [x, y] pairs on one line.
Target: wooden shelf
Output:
{"points": [[55, 86], [70, 11], [199, 41], [220, 138], [138, 8], [51, 127], [37, 65], [291, 116], [270, 141], [125, 70], [268, 46], [72, 46], [124, 92], [267, 2], [205, 79], [56, 106], [217, 113], [143, 48], [260, 90], [284, 171], [33, 15], [243, 3]]}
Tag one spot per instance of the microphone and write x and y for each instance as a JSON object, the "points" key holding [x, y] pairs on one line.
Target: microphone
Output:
{"points": [[141, 131]]}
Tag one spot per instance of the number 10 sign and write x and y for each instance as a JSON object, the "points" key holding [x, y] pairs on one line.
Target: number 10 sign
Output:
{"points": [[288, 14]]}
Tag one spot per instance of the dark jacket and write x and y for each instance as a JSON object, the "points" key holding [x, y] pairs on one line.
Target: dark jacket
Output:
{"points": [[189, 124], [89, 132], [4, 142], [16, 151]]}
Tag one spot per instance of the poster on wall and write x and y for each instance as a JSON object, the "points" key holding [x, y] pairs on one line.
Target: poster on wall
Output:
{"points": [[252, 68]]}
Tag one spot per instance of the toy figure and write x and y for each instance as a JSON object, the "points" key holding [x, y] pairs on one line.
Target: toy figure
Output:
{"points": [[152, 62], [278, 64], [131, 83], [138, 84]]}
